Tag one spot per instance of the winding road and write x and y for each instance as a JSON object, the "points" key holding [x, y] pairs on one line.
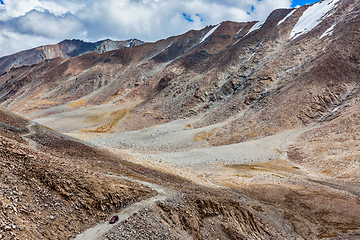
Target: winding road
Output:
{"points": [[99, 230], [26, 136]]}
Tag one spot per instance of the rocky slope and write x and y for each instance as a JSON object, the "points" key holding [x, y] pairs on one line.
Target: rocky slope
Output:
{"points": [[52, 192]]}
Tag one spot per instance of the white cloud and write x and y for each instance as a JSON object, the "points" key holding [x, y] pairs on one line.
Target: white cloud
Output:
{"points": [[21, 7], [44, 24], [16, 41], [48, 21]]}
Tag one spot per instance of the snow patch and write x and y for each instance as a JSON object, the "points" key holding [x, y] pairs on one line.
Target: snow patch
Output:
{"points": [[210, 32], [287, 16], [256, 50], [237, 34], [328, 31], [255, 27], [167, 47], [312, 17], [251, 56], [236, 41], [164, 49], [128, 44], [239, 31], [335, 109]]}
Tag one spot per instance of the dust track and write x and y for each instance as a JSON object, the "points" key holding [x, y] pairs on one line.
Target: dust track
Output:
{"points": [[99, 230], [26, 136]]}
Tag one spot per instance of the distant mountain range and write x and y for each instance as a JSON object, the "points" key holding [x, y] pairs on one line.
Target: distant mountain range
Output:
{"points": [[64, 49]]}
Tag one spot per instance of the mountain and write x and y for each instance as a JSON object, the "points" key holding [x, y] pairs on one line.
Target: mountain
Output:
{"points": [[267, 111], [64, 49], [239, 71]]}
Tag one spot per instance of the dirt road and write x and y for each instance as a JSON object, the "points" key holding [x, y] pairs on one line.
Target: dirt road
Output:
{"points": [[99, 230], [32, 131]]}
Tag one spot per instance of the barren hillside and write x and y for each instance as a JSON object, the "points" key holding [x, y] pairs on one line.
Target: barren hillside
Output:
{"points": [[254, 125]]}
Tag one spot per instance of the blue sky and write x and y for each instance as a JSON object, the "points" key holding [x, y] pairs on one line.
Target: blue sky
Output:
{"points": [[26, 24], [301, 2]]}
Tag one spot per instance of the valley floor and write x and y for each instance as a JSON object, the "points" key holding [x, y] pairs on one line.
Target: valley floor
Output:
{"points": [[289, 196]]}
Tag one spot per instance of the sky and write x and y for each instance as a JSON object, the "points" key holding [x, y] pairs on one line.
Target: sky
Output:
{"points": [[26, 24], [296, 3]]}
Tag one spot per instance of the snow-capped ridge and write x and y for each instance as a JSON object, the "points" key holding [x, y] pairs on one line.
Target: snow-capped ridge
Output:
{"points": [[311, 17]]}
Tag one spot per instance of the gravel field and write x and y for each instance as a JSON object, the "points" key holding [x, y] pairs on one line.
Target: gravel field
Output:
{"points": [[177, 147]]}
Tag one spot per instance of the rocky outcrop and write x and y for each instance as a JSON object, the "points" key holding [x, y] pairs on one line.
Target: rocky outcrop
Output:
{"points": [[206, 217], [193, 217]]}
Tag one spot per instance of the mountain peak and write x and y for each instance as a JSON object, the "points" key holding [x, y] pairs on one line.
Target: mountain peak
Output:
{"points": [[65, 49]]}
